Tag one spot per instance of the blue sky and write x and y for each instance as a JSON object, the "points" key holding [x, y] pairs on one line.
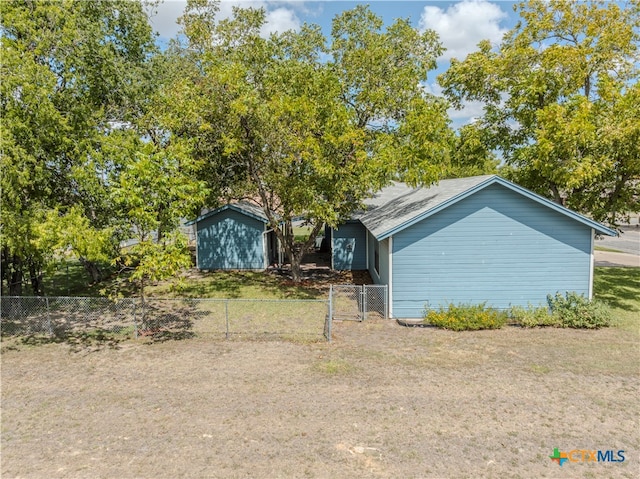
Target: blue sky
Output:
{"points": [[460, 24]]}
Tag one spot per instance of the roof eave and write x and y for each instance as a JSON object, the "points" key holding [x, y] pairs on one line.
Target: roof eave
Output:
{"points": [[435, 209], [223, 208], [600, 228]]}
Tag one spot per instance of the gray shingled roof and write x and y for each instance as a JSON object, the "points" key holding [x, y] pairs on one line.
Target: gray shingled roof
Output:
{"points": [[242, 206], [397, 204], [252, 209]]}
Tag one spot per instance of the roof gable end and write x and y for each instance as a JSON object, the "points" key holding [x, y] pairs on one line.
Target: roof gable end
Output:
{"points": [[246, 209], [600, 228], [385, 220]]}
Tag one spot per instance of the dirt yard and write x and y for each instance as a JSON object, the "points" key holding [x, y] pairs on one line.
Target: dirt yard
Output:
{"points": [[380, 401]]}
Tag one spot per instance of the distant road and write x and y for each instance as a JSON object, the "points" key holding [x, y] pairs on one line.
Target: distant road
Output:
{"points": [[606, 258], [627, 242]]}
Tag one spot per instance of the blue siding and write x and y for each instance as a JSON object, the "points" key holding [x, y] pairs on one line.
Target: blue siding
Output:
{"points": [[230, 240], [381, 275], [495, 246], [350, 247]]}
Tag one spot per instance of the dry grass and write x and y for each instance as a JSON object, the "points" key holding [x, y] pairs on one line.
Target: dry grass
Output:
{"points": [[380, 401]]}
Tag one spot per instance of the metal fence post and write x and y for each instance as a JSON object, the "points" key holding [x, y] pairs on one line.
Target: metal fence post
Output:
{"points": [[46, 300], [226, 318], [329, 321], [386, 301], [135, 321]]}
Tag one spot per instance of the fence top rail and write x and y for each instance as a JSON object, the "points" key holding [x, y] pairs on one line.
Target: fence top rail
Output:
{"points": [[100, 298], [255, 300], [361, 285], [70, 297]]}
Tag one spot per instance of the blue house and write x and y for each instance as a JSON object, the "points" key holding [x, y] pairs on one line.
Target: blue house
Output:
{"points": [[235, 236], [472, 240]]}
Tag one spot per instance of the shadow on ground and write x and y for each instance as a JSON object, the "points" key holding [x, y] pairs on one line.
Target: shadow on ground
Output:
{"points": [[617, 286]]}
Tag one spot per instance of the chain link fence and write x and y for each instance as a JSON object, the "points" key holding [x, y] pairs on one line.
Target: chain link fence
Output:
{"points": [[359, 302], [166, 318]]}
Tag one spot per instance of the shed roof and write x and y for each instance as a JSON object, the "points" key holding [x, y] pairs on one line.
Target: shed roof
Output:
{"points": [[242, 207], [399, 206]]}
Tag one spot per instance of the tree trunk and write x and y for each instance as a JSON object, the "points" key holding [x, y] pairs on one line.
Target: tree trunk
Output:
{"points": [[92, 269], [35, 275], [296, 265], [15, 278], [299, 250], [4, 270], [557, 197]]}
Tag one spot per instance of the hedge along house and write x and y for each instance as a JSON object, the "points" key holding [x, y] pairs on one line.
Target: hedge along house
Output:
{"points": [[469, 240], [235, 237]]}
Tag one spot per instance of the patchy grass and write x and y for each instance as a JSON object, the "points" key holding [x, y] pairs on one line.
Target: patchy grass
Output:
{"points": [[334, 366], [301, 233], [620, 289], [380, 401], [69, 278], [609, 250], [235, 285]]}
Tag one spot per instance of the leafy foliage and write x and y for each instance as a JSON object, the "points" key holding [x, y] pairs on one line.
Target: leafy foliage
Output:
{"points": [[466, 317], [154, 190], [561, 99], [573, 310], [532, 316], [470, 155], [303, 129], [70, 71]]}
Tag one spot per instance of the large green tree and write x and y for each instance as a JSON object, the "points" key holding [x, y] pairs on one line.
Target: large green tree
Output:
{"points": [[561, 99], [153, 191], [305, 129], [71, 70]]}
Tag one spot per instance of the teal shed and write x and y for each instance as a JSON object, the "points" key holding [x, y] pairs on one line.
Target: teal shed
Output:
{"points": [[471, 240], [234, 237]]}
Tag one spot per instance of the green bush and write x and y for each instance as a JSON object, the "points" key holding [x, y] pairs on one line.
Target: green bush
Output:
{"points": [[574, 310], [466, 317], [532, 316]]}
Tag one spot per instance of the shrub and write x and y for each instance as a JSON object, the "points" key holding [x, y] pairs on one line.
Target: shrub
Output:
{"points": [[532, 316], [466, 317], [574, 310]]}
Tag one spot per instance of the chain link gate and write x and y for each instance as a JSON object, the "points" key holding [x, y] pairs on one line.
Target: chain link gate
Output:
{"points": [[357, 302]]}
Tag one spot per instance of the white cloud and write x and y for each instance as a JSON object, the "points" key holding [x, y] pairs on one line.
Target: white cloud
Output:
{"points": [[470, 111], [164, 16], [280, 20], [281, 15], [463, 25]]}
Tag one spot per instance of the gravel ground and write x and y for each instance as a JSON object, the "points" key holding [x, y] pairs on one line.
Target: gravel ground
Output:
{"points": [[380, 401]]}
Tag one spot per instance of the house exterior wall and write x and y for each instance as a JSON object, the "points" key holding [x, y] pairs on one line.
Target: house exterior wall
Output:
{"points": [[230, 240], [495, 246], [349, 247], [379, 272]]}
